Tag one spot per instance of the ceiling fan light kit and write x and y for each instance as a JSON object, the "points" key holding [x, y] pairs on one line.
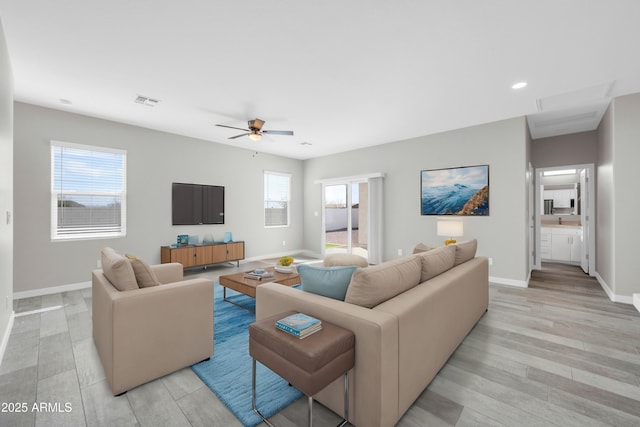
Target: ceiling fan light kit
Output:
{"points": [[255, 130]]}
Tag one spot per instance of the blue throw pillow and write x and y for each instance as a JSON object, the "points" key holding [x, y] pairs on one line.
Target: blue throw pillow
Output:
{"points": [[330, 282]]}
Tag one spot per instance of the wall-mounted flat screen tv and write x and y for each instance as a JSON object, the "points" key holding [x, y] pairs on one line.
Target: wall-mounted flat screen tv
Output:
{"points": [[193, 204]]}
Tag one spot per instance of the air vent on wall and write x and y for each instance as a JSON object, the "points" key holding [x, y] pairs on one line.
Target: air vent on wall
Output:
{"points": [[145, 100]]}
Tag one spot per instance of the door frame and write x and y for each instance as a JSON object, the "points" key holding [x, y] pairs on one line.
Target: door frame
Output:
{"points": [[591, 212], [533, 227], [348, 180]]}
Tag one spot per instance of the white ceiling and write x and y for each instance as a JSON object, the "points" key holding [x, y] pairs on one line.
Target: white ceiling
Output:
{"points": [[340, 74]]}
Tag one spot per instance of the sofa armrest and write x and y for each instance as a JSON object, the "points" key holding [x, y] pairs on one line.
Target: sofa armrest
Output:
{"points": [[169, 272], [373, 383], [154, 331]]}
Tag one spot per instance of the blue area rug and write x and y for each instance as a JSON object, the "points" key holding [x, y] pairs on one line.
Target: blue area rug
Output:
{"points": [[228, 372]]}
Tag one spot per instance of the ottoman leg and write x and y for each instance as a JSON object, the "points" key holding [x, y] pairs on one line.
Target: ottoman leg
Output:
{"points": [[253, 393], [346, 400]]}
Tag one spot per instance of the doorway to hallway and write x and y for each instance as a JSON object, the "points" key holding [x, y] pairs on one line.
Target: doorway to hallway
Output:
{"points": [[564, 217]]}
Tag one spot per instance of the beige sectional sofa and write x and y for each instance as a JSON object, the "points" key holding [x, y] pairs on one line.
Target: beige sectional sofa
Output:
{"points": [[147, 320], [406, 326]]}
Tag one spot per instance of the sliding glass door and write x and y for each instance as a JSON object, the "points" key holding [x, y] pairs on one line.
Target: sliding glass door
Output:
{"points": [[346, 218], [336, 219]]}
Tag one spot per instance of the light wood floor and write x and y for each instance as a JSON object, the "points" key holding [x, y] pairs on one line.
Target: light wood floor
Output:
{"points": [[558, 353]]}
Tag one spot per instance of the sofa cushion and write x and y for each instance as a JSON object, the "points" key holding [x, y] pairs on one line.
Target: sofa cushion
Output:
{"points": [[145, 276], [421, 247], [436, 261], [376, 284], [333, 260], [465, 251], [118, 270], [330, 282]]}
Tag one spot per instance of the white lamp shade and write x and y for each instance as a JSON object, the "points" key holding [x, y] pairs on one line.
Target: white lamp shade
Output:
{"points": [[450, 228]]}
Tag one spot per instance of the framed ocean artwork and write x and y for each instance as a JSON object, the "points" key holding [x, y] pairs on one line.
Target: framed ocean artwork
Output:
{"points": [[460, 191]]}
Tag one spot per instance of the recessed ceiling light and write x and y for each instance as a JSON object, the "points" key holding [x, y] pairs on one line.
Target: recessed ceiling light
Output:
{"points": [[519, 85]]}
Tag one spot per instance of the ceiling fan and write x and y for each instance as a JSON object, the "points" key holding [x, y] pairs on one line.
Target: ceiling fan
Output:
{"points": [[255, 130]]}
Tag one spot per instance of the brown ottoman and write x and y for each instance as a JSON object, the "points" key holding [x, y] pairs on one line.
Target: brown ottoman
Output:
{"points": [[309, 364]]}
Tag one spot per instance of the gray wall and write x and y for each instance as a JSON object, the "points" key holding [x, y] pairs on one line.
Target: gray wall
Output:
{"points": [[155, 160], [573, 149], [605, 245], [626, 154], [6, 188], [529, 244], [617, 204], [502, 145]]}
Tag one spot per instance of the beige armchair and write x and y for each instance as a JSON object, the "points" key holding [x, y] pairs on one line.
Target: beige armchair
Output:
{"points": [[146, 333]]}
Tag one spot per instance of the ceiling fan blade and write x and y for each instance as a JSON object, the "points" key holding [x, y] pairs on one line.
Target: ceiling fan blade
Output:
{"points": [[232, 127], [238, 136], [278, 132]]}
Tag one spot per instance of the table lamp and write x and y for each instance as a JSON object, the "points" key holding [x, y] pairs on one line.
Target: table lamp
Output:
{"points": [[450, 229]]}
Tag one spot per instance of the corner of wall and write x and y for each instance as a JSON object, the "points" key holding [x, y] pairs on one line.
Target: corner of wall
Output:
{"points": [[6, 194]]}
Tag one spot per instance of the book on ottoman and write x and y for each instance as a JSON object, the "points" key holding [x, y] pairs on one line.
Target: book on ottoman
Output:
{"points": [[299, 325]]}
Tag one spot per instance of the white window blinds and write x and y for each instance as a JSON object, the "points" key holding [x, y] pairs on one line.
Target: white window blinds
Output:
{"points": [[88, 191]]}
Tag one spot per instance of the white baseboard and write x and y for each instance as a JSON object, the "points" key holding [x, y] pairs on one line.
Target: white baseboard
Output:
{"points": [[280, 254], [51, 290], [612, 296], [312, 254], [5, 337], [509, 282], [636, 301], [605, 287]]}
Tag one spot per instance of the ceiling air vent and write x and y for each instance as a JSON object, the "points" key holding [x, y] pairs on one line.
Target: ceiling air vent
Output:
{"points": [[145, 100]]}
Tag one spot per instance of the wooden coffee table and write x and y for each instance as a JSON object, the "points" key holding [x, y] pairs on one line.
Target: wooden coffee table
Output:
{"points": [[239, 283]]}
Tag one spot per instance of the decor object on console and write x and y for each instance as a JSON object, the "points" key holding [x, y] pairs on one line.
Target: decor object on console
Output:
{"points": [[450, 229], [455, 191], [145, 333], [400, 341]]}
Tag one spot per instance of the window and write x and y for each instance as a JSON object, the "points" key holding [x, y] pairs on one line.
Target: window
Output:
{"points": [[277, 189], [88, 191]]}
